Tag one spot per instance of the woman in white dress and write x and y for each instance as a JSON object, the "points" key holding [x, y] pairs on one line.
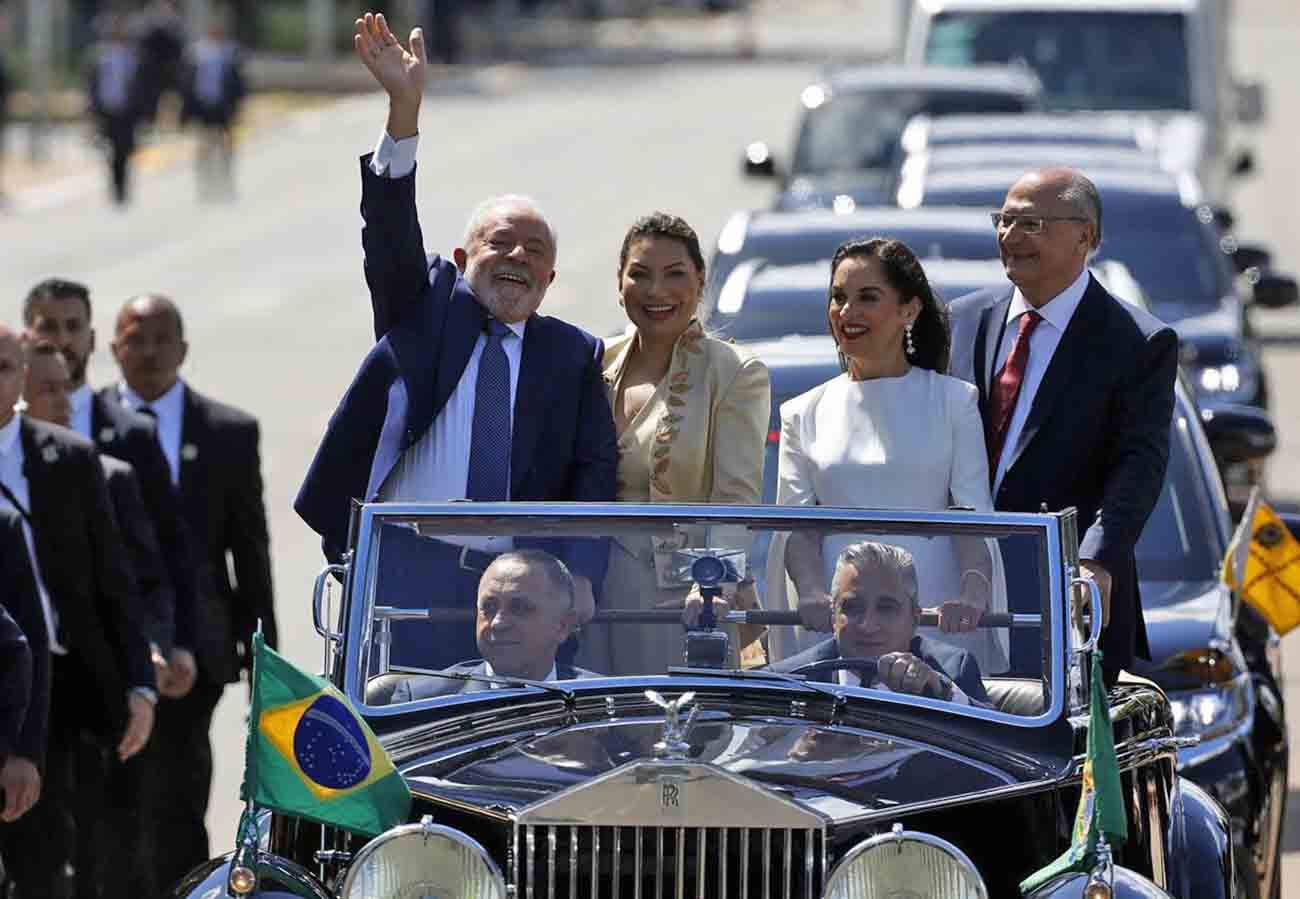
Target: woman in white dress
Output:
{"points": [[891, 432]]}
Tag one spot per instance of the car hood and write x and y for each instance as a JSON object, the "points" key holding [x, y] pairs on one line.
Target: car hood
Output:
{"points": [[821, 191], [1184, 618], [836, 772]]}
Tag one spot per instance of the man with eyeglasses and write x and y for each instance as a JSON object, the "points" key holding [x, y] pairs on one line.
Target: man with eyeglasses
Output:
{"points": [[1077, 393], [874, 615]]}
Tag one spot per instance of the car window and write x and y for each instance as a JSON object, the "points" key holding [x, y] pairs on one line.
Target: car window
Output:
{"points": [[860, 130], [1086, 60], [1178, 541], [449, 603], [1178, 267]]}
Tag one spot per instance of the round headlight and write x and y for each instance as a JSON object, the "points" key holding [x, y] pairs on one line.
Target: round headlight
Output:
{"points": [[905, 864], [425, 859]]}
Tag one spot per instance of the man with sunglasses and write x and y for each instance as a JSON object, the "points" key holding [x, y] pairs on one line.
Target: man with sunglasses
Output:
{"points": [[1077, 393]]}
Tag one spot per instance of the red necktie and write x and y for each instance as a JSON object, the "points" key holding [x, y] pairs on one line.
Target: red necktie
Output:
{"points": [[1006, 389]]}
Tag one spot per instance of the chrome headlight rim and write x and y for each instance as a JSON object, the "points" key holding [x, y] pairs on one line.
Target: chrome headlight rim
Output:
{"points": [[425, 828], [1234, 698], [898, 835]]}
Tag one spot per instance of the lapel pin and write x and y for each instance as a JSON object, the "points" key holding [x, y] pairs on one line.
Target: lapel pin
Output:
{"points": [[106, 435], [50, 454], [189, 452]]}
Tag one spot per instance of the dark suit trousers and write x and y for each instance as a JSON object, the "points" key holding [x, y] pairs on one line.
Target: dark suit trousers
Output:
{"points": [[40, 847], [421, 573], [179, 761]]}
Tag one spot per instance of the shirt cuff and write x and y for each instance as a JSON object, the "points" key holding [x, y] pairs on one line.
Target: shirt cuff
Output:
{"points": [[149, 694], [394, 158], [958, 696]]}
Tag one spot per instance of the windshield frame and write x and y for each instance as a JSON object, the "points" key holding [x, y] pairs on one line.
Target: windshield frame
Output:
{"points": [[1054, 530]]}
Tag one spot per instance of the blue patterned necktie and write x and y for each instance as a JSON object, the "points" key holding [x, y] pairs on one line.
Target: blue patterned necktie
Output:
{"points": [[489, 443]]}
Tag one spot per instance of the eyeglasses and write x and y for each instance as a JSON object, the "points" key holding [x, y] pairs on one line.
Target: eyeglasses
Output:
{"points": [[1030, 224]]}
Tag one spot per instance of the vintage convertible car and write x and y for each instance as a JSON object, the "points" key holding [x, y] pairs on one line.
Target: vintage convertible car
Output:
{"points": [[706, 776]]}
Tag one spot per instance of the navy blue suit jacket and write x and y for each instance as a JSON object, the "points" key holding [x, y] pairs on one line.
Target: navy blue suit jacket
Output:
{"points": [[957, 663], [25, 646], [427, 321], [1097, 435]]}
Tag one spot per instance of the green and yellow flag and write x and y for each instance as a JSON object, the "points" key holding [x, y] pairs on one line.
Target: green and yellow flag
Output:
{"points": [[1263, 565], [1101, 804], [310, 754]]}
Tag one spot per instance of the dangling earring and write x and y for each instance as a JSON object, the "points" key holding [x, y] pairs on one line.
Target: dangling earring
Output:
{"points": [[908, 346]]}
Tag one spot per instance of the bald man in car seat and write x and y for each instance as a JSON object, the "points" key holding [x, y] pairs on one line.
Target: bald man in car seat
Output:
{"points": [[526, 608]]}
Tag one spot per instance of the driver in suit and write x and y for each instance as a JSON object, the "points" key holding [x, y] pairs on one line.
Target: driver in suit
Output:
{"points": [[526, 608], [874, 599]]}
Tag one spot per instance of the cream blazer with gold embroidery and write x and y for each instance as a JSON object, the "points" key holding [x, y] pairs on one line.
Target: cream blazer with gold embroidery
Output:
{"points": [[701, 436]]}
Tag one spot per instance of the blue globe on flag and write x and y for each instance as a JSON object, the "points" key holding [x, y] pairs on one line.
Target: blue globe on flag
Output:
{"points": [[330, 746]]}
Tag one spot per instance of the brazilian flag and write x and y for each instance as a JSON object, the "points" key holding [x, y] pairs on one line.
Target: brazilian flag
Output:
{"points": [[310, 754], [1101, 804]]}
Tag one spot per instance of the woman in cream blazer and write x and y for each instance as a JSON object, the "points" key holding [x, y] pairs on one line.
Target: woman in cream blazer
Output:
{"points": [[692, 414]]}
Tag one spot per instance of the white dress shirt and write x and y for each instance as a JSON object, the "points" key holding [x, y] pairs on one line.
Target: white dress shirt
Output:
{"points": [[12, 458], [116, 69], [1056, 314], [169, 410], [490, 672], [81, 401], [394, 158]]}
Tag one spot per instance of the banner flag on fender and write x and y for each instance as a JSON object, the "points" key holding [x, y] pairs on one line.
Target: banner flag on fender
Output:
{"points": [[310, 754], [1263, 564]]}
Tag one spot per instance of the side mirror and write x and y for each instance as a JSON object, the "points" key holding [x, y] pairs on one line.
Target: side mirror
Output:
{"points": [[1250, 102], [1276, 291], [1244, 163], [1246, 256], [759, 162], [1238, 433]]}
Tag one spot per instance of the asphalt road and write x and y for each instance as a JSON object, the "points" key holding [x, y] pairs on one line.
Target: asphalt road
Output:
{"points": [[275, 305]]}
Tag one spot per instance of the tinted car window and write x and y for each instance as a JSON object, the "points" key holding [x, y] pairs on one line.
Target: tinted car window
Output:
{"points": [[1086, 60], [860, 130], [1178, 542]]}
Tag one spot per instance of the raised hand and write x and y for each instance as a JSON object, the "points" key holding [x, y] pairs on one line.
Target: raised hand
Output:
{"points": [[400, 72]]}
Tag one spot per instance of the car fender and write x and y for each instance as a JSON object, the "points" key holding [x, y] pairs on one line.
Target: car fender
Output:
{"points": [[277, 878], [1199, 853]]}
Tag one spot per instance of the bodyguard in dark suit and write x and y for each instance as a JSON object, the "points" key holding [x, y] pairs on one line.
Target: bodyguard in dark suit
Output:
{"points": [[874, 615], [102, 679], [58, 311], [212, 452], [467, 393], [23, 753], [1076, 391], [525, 611], [113, 89]]}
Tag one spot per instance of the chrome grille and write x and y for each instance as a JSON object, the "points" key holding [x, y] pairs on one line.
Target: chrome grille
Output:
{"points": [[558, 861]]}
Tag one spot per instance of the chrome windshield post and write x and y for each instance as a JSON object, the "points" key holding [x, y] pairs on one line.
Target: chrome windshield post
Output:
{"points": [[321, 610]]}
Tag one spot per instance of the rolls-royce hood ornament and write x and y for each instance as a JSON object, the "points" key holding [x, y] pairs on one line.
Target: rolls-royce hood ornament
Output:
{"points": [[674, 745]]}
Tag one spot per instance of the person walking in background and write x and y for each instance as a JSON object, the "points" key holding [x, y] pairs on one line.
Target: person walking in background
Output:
{"points": [[213, 88], [691, 414], [1054, 351], [113, 92], [159, 31], [212, 454], [102, 679]]}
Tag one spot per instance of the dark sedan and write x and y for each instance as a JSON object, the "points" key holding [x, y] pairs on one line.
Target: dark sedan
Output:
{"points": [[1214, 657], [847, 143]]}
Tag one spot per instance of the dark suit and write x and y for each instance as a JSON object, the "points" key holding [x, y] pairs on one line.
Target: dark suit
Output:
{"points": [[957, 663], [221, 501], [426, 322], [85, 569], [427, 686], [15, 683], [23, 603], [153, 590], [133, 438], [1096, 438]]}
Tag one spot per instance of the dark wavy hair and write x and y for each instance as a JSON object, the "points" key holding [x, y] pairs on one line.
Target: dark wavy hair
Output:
{"points": [[903, 271], [661, 224]]}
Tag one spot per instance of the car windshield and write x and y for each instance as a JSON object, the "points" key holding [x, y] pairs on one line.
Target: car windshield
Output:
{"points": [[1180, 268], [1086, 60], [859, 130], [446, 604]]}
